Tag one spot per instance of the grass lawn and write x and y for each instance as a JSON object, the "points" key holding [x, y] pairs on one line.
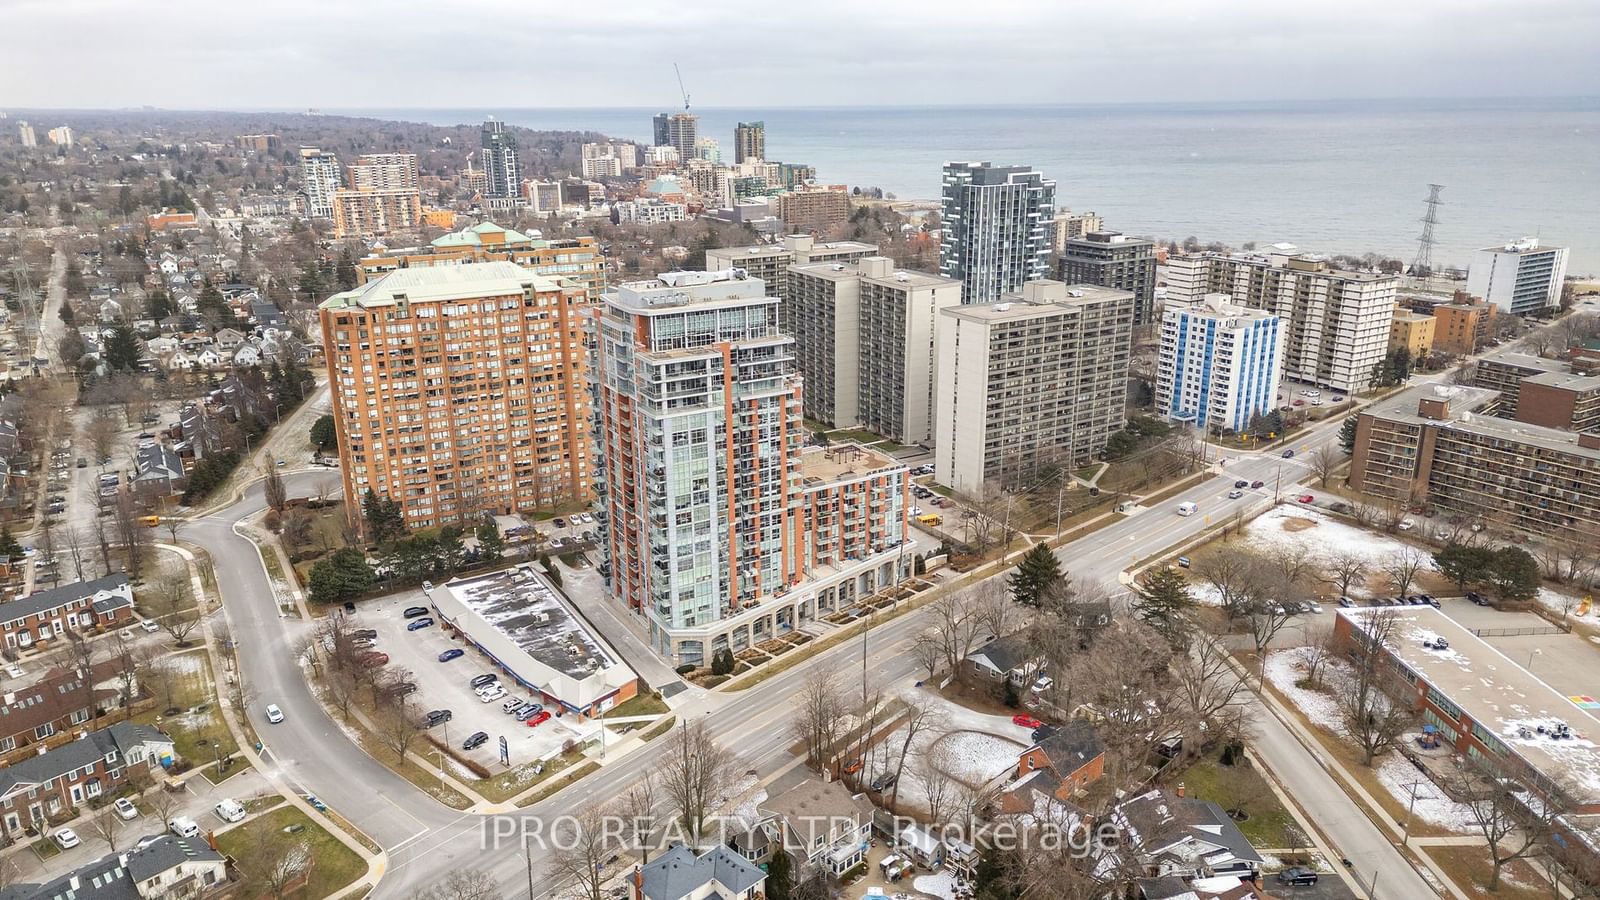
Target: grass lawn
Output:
{"points": [[333, 864], [514, 781], [196, 736], [210, 771], [1470, 869], [1241, 787], [262, 804], [860, 435], [658, 729], [555, 784], [638, 705]]}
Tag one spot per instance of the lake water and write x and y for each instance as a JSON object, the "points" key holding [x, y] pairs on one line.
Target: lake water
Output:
{"points": [[1337, 177]]}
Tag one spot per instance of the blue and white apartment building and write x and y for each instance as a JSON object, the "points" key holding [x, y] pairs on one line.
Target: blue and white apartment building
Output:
{"points": [[1220, 364]]}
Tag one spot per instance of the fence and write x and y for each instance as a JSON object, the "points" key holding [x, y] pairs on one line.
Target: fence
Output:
{"points": [[1518, 632]]}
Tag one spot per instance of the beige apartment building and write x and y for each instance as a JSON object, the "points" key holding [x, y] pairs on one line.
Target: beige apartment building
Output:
{"points": [[1036, 378], [1413, 331], [458, 390], [1336, 323], [383, 172], [1437, 444], [865, 340], [771, 262]]}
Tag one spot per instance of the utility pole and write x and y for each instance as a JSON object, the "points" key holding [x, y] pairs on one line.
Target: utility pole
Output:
{"points": [[865, 627], [1422, 264], [1405, 836]]}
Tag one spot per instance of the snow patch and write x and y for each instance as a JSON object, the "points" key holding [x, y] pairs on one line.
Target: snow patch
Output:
{"points": [[939, 884], [1286, 667], [1397, 775], [975, 758]]}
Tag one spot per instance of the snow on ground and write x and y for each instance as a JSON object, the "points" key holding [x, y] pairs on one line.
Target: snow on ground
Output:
{"points": [[979, 737], [940, 884], [187, 663], [1397, 774], [975, 758], [1285, 667], [1564, 604]]}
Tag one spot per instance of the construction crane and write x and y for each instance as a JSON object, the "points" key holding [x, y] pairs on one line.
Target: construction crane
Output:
{"points": [[685, 93]]}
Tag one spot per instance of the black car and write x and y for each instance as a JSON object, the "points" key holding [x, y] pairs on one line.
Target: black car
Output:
{"points": [[1297, 875], [402, 689], [482, 680], [365, 634], [1241, 484], [413, 611], [478, 739], [883, 782], [436, 717], [1042, 732]]}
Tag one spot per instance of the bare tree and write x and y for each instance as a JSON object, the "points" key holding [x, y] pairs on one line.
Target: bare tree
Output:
{"points": [[132, 534], [297, 530], [1265, 618], [274, 490], [82, 654], [1319, 648], [325, 488], [1229, 571], [819, 720], [171, 598], [276, 861], [164, 804], [1402, 567], [928, 650], [581, 849], [1204, 688], [398, 726], [106, 825], [1324, 462], [162, 676], [993, 608], [956, 626], [101, 431], [938, 789], [920, 718], [462, 884], [694, 769], [1368, 711], [102, 538], [638, 809], [1515, 821], [1345, 569], [77, 549]]}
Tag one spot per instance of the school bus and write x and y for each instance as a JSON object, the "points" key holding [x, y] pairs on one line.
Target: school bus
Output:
{"points": [[150, 521], [931, 519]]}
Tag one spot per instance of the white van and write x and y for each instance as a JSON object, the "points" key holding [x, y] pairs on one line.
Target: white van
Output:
{"points": [[1186, 509], [183, 826], [229, 811]]}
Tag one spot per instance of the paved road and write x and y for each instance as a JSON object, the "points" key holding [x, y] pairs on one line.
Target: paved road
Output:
{"points": [[426, 840]]}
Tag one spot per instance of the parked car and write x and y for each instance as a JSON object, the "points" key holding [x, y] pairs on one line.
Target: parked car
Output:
{"points": [[528, 710], [452, 653], [1347, 603], [489, 696], [427, 587], [883, 782], [183, 826], [1431, 600], [1042, 732], [83, 463], [1305, 498], [1406, 525], [125, 808], [478, 739], [274, 714], [1256, 484], [559, 522], [1025, 721], [229, 810], [510, 706], [1241, 484], [1477, 598], [420, 624], [436, 717], [65, 838], [1297, 876], [374, 659], [403, 689], [149, 626], [413, 611], [486, 678], [365, 634], [1183, 562], [539, 717]]}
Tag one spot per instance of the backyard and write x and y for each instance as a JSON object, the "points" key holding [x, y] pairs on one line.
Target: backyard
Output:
{"points": [[282, 841]]}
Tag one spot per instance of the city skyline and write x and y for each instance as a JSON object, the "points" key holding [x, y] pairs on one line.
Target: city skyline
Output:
{"points": [[1424, 49]]}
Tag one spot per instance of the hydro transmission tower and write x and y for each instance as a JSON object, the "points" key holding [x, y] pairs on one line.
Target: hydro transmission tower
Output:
{"points": [[1422, 266]]}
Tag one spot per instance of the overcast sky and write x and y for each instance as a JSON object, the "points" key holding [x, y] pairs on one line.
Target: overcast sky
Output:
{"points": [[293, 54]]}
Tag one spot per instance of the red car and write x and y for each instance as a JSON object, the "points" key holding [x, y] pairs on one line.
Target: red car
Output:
{"points": [[1025, 721], [374, 659], [538, 717], [1305, 498]]}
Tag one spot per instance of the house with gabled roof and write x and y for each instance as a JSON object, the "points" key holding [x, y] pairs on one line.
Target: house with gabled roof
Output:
{"points": [[42, 712], [681, 874], [49, 786], [1066, 760], [1162, 833], [158, 866], [100, 603]]}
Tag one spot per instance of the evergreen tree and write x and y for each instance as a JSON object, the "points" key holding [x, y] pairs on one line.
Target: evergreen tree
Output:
{"points": [[122, 350], [1463, 564], [311, 283], [384, 518], [1347, 435], [343, 576], [346, 272], [452, 552], [8, 543], [491, 546], [1162, 602], [780, 876], [325, 433], [158, 304], [1515, 574], [1036, 574]]}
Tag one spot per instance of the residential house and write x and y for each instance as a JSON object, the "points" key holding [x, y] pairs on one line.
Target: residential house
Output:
{"points": [[47, 787], [158, 472], [247, 355], [162, 347], [159, 866], [1217, 887], [681, 874], [1064, 762], [228, 340], [98, 604], [57, 703], [1170, 834], [208, 358], [821, 823], [110, 311], [1011, 658], [200, 429], [266, 314]]}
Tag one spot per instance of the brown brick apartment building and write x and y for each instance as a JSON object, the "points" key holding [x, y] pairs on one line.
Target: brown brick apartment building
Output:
{"points": [[81, 608], [1436, 444], [458, 390], [1461, 326]]}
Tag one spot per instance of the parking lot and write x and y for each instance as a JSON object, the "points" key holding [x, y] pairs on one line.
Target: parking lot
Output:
{"points": [[446, 686]]}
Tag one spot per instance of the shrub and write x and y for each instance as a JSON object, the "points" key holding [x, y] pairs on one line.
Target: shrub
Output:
{"points": [[686, 668]]}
